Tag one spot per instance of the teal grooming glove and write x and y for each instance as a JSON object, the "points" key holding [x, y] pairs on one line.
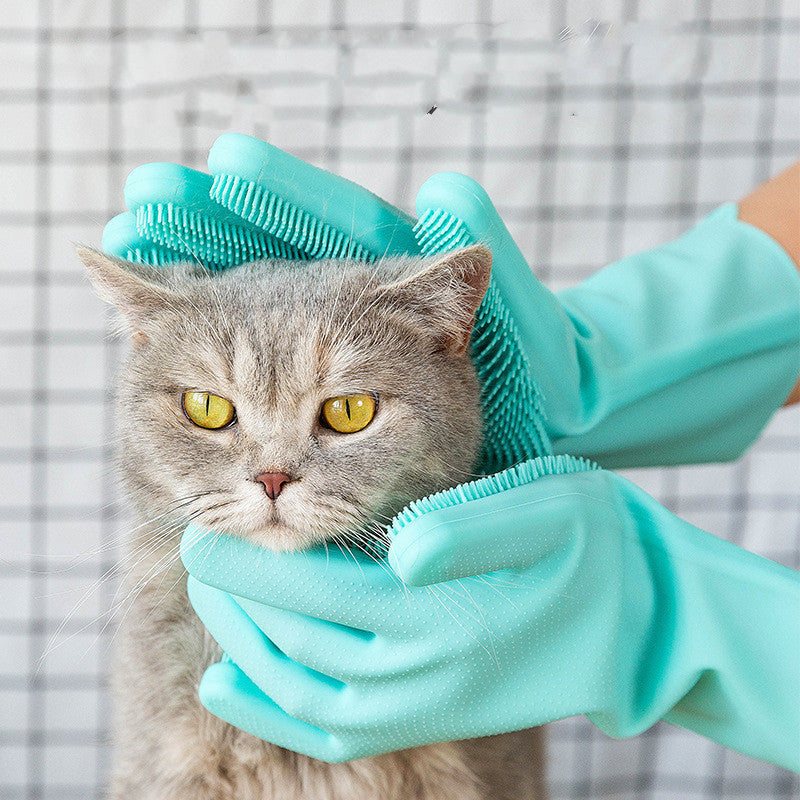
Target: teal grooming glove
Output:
{"points": [[122, 238], [680, 354], [321, 214], [526, 597], [258, 203], [172, 206]]}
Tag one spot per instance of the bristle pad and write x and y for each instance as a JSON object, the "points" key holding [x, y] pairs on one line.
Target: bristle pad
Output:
{"points": [[154, 256], [519, 475], [209, 240], [283, 220], [512, 412]]}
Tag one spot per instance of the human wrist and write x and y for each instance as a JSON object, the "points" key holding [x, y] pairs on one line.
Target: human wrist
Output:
{"points": [[774, 207]]}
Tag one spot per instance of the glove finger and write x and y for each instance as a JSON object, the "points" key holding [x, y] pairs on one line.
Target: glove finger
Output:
{"points": [[300, 691], [122, 239], [458, 210], [322, 214], [327, 585], [230, 695], [173, 208], [335, 650], [511, 529]]}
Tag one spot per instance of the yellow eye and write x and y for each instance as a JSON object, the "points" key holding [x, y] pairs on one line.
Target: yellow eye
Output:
{"points": [[348, 413], [208, 410]]}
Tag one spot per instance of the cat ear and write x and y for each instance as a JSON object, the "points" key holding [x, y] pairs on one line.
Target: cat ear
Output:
{"points": [[134, 290], [445, 295]]}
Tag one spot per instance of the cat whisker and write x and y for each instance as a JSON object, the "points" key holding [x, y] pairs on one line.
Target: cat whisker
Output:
{"points": [[217, 519], [142, 550], [324, 336], [439, 592], [493, 587], [345, 550], [174, 506], [53, 643], [206, 548], [368, 285], [127, 603], [459, 471], [163, 564], [127, 600], [367, 544]]}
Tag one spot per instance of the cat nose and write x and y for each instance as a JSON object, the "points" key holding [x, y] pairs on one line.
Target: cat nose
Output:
{"points": [[273, 482]]}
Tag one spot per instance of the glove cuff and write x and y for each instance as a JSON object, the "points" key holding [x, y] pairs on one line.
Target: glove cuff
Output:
{"points": [[686, 350]]}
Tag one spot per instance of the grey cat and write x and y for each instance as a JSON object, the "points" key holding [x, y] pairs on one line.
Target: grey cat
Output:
{"points": [[289, 404]]}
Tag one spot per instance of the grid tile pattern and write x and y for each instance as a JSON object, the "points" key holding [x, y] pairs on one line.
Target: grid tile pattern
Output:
{"points": [[600, 128]]}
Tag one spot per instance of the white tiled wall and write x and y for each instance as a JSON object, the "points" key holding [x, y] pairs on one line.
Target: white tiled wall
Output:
{"points": [[659, 111]]}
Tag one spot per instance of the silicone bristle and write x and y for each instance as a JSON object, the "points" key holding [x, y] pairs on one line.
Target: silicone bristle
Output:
{"points": [[438, 231], [511, 403], [526, 472], [285, 221], [121, 239], [155, 256], [215, 243]]}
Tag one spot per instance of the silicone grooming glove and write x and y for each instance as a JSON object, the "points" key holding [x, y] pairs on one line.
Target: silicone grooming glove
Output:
{"points": [[320, 213], [592, 599], [258, 203], [672, 356]]}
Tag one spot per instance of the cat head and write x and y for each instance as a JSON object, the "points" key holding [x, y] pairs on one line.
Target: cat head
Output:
{"points": [[292, 403]]}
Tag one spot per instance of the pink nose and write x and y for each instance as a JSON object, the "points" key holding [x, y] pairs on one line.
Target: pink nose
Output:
{"points": [[273, 482]]}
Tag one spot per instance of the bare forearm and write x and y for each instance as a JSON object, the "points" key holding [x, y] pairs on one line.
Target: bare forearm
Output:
{"points": [[775, 208]]}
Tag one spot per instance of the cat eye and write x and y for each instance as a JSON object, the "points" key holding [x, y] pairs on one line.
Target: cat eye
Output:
{"points": [[208, 410], [348, 413]]}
